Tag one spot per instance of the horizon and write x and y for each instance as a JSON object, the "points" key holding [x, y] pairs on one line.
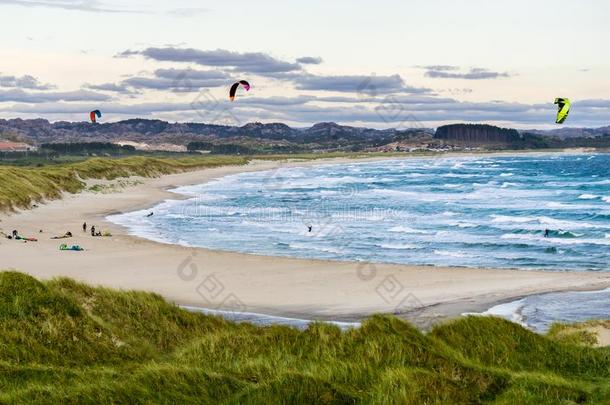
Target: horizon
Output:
{"points": [[498, 64]]}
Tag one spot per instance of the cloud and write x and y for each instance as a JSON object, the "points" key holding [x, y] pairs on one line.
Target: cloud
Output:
{"points": [[276, 101], [452, 72], [402, 99], [440, 68], [113, 87], [309, 60], [365, 85], [79, 5], [23, 82], [177, 80], [21, 96], [252, 62], [265, 65], [393, 111], [188, 12]]}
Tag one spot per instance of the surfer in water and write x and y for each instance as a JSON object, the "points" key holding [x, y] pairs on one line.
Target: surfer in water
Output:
{"points": [[150, 215], [547, 233]]}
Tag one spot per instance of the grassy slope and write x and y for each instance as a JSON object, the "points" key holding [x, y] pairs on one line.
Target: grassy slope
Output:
{"points": [[65, 342], [20, 187]]}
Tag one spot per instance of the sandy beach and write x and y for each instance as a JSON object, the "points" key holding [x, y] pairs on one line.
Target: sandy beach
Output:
{"points": [[310, 289]]}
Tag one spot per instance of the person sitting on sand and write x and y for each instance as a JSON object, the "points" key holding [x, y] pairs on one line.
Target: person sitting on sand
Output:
{"points": [[15, 233], [84, 227], [92, 230], [64, 236]]}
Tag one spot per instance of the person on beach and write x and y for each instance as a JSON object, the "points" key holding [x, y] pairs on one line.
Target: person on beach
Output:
{"points": [[84, 227], [92, 230], [15, 233], [309, 227]]}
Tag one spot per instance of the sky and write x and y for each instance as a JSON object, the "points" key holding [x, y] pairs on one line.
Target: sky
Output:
{"points": [[381, 64]]}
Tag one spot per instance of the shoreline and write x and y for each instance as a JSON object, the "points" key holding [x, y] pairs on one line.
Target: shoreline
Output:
{"points": [[276, 286]]}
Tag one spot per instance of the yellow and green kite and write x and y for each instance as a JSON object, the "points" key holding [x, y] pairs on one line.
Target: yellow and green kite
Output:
{"points": [[563, 108]]}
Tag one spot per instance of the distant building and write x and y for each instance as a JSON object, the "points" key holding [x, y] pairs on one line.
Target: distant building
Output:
{"points": [[6, 146]]}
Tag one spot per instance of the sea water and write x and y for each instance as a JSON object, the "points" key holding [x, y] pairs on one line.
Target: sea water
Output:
{"points": [[484, 211], [538, 312]]}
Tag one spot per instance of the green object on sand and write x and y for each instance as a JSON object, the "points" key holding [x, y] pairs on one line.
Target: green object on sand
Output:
{"points": [[76, 248]]}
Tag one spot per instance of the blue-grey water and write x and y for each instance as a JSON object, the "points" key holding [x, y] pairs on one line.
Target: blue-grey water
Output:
{"points": [[473, 211], [268, 320], [490, 211], [538, 312]]}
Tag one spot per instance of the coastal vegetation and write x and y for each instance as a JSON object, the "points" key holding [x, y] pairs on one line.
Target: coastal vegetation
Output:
{"points": [[66, 342], [20, 187], [23, 186]]}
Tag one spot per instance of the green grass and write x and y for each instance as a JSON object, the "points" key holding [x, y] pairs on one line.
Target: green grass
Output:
{"points": [[66, 342], [21, 187], [578, 333]]}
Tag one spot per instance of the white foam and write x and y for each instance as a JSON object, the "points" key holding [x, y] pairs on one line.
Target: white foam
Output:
{"points": [[588, 196], [507, 184], [542, 220], [464, 225], [397, 246], [265, 320], [454, 254], [326, 249], [406, 229], [509, 310], [558, 241]]}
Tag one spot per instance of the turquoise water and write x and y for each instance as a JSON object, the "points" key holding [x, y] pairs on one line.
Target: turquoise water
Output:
{"points": [[487, 211]]}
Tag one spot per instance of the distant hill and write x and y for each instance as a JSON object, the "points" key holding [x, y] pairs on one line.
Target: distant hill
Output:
{"points": [[321, 136], [571, 132], [256, 137]]}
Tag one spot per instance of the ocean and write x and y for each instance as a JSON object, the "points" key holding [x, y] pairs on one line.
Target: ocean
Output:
{"points": [[529, 211], [490, 211]]}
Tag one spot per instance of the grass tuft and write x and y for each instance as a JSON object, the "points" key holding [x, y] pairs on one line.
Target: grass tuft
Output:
{"points": [[65, 342]]}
